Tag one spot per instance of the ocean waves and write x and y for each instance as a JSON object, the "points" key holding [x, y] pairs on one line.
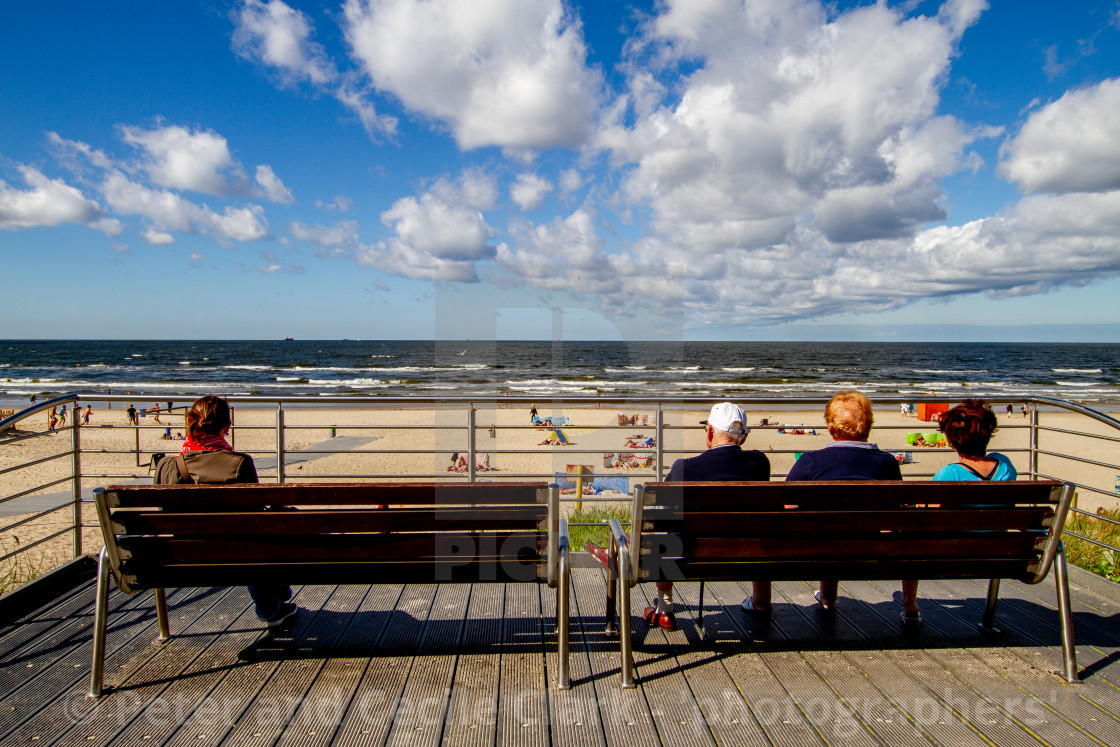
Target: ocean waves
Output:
{"points": [[1086, 373]]}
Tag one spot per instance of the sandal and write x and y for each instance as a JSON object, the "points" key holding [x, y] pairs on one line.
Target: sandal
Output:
{"points": [[817, 596]]}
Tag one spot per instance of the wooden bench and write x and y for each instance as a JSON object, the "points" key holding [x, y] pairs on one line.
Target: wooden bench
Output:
{"points": [[708, 531], [160, 536]]}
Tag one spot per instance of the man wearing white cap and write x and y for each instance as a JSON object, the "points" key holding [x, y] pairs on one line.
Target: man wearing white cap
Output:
{"points": [[724, 431]]}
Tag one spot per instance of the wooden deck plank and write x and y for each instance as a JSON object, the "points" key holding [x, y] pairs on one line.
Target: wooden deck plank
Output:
{"points": [[371, 713], [625, 714], [421, 713], [776, 713], [574, 714], [28, 656], [723, 708], [333, 692], [235, 692], [522, 683], [472, 718], [673, 705], [58, 700], [275, 705], [799, 678], [131, 701]]}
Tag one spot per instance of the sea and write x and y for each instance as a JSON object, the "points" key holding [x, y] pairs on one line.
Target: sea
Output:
{"points": [[1085, 373]]}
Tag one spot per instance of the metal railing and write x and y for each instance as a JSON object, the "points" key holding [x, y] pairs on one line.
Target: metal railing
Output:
{"points": [[463, 437]]}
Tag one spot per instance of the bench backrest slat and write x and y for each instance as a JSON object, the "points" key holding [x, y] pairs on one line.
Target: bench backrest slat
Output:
{"points": [[313, 521], [233, 497], [794, 522]]}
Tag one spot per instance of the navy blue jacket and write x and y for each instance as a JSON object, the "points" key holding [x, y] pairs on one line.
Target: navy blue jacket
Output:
{"points": [[722, 463], [845, 463]]}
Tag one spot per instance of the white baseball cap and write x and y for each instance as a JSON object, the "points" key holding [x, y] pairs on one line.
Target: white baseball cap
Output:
{"points": [[723, 415]]}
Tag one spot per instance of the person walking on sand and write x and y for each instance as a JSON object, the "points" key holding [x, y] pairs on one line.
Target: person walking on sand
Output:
{"points": [[87, 414], [533, 414], [155, 413], [62, 416], [724, 460], [131, 412]]}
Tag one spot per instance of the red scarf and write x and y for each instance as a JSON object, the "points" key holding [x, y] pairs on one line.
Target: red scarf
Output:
{"points": [[205, 442]]}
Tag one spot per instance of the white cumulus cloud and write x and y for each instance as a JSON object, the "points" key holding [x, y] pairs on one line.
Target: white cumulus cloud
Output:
{"points": [[279, 38], [158, 238], [528, 190], [184, 159], [511, 73], [48, 202], [273, 188], [1071, 145]]}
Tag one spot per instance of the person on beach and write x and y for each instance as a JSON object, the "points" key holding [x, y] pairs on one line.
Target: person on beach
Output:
{"points": [[62, 415], [533, 414], [131, 412], [88, 413], [207, 458], [154, 410], [724, 461], [849, 457], [968, 428]]}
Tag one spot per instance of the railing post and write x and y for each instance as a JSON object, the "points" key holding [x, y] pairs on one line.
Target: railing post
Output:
{"points": [[470, 443], [279, 442], [660, 442], [76, 466], [1034, 443]]}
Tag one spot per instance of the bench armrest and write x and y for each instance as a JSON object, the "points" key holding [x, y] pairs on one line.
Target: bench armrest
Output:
{"points": [[1053, 540]]}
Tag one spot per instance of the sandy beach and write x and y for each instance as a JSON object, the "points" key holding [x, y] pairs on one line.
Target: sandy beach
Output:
{"points": [[416, 444]]}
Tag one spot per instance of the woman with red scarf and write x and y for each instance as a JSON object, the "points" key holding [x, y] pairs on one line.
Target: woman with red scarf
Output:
{"points": [[206, 457]]}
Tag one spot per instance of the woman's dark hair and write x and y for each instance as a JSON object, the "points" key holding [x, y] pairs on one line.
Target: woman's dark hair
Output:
{"points": [[969, 426], [208, 416]]}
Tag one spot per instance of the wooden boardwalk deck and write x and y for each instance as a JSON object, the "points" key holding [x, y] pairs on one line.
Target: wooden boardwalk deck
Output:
{"points": [[473, 665]]}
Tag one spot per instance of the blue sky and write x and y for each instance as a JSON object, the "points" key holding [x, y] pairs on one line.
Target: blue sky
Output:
{"points": [[696, 169]]}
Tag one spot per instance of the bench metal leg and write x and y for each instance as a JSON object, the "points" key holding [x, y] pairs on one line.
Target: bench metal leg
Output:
{"points": [[563, 603], [100, 615], [611, 627], [627, 663], [988, 625], [700, 613], [161, 616], [1061, 581]]}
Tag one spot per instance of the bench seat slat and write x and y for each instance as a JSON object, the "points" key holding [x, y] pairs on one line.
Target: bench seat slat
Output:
{"points": [[850, 494], [141, 521], [245, 497], [886, 546], [843, 522], [325, 548]]}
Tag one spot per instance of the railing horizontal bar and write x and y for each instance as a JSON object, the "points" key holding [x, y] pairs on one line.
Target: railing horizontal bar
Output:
{"points": [[39, 515], [1098, 436], [1090, 488], [30, 545], [1082, 460], [68, 478], [1087, 539], [63, 455], [1095, 516]]}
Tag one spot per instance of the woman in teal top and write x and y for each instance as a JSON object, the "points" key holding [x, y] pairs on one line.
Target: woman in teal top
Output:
{"points": [[968, 428]]}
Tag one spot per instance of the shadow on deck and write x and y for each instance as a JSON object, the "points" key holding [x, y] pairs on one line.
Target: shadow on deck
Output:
{"points": [[463, 664]]}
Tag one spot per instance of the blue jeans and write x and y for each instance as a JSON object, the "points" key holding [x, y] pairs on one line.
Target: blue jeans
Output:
{"points": [[267, 600]]}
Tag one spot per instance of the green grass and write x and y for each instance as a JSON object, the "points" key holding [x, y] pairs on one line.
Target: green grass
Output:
{"points": [[579, 536], [17, 570], [1099, 560]]}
